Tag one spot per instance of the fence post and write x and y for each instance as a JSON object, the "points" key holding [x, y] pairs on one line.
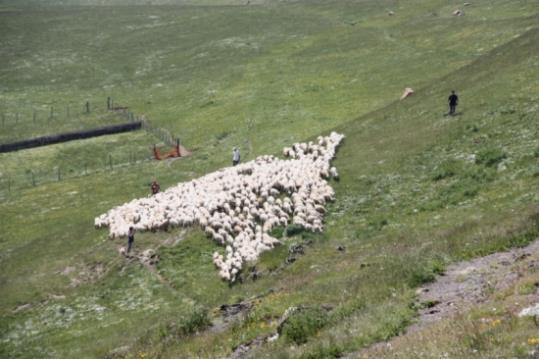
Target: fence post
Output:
{"points": [[110, 161], [86, 169], [17, 117], [59, 174], [34, 116], [33, 178], [108, 103], [87, 107]]}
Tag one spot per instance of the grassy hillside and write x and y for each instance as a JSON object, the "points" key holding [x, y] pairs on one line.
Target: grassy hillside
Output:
{"points": [[133, 2], [418, 189], [287, 71]]}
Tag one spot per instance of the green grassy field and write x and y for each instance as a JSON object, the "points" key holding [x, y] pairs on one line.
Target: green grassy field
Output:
{"points": [[418, 189]]}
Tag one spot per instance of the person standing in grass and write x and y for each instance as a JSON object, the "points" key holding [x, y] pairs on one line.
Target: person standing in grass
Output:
{"points": [[130, 238], [155, 187], [453, 102], [235, 156]]}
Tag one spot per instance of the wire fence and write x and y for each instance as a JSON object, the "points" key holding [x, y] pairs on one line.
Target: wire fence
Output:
{"points": [[11, 181], [163, 134], [37, 176], [21, 121]]}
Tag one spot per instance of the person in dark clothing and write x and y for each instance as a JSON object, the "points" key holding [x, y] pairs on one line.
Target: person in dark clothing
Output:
{"points": [[130, 238], [155, 187], [453, 102]]}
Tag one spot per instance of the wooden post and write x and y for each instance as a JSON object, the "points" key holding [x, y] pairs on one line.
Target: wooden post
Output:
{"points": [[17, 117], [87, 107], [33, 179], [86, 169], [108, 103]]}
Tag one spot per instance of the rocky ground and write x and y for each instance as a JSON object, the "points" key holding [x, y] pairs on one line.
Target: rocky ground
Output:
{"points": [[467, 284]]}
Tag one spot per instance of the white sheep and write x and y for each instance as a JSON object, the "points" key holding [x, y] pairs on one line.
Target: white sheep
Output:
{"points": [[228, 203]]}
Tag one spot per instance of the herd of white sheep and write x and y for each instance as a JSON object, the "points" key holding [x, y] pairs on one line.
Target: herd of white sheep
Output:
{"points": [[238, 206]]}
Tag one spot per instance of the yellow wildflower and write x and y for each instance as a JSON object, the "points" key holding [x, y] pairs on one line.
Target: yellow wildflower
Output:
{"points": [[533, 341]]}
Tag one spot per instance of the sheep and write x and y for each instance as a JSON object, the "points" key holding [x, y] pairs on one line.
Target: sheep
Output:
{"points": [[228, 203]]}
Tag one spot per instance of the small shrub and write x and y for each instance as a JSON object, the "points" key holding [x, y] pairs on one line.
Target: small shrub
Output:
{"points": [[294, 229], [197, 320], [447, 169], [324, 352], [490, 157], [472, 128], [304, 323], [277, 232], [527, 288], [378, 223], [426, 272], [421, 275]]}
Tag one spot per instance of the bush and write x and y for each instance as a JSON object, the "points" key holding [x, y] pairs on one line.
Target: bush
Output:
{"points": [[277, 232], [303, 323], [472, 128], [447, 169], [426, 272], [378, 223], [294, 229], [197, 320], [324, 352], [490, 157]]}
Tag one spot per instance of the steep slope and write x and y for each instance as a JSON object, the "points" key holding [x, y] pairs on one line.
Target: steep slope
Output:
{"points": [[418, 190]]}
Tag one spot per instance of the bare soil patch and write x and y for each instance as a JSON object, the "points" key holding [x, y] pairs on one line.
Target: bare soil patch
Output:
{"points": [[466, 284]]}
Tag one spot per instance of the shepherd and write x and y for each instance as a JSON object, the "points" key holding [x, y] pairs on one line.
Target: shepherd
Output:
{"points": [[453, 102], [155, 187], [130, 238], [235, 156]]}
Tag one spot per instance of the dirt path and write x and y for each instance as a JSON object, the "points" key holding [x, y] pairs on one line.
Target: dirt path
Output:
{"points": [[466, 284], [472, 282]]}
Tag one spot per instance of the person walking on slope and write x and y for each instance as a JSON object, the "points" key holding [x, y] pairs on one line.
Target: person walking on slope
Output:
{"points": [[235, 156], [453, 102], [130, 238]]}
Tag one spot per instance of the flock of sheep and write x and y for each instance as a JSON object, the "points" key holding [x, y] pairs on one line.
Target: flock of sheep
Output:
{"points": [[238, 206]]}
